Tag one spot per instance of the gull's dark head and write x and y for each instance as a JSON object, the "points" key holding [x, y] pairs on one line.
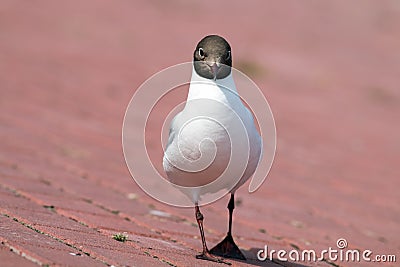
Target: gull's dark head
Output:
{"points": [[212, 58]]}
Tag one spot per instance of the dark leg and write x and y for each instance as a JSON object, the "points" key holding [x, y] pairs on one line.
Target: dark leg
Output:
{"points": [[205, 255], [227, 247]]}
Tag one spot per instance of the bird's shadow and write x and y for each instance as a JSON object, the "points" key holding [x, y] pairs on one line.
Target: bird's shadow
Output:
{"points": [[251, 259]]}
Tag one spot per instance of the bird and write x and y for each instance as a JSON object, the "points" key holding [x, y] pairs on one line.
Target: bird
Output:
{"points": [[213, 130]]}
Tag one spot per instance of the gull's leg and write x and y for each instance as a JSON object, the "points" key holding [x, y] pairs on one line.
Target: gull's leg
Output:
{"points": [[227, 247], [205, 255]]}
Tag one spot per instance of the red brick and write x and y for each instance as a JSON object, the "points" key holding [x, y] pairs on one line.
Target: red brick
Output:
{"points": [[39, 247], [10, 259]]}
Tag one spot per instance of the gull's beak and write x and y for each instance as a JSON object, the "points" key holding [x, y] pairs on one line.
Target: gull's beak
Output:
{"points": [[215, 68]]}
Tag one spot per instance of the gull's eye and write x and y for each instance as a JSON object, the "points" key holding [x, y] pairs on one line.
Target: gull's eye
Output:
{"points": [[201, 53], [228, 55]]}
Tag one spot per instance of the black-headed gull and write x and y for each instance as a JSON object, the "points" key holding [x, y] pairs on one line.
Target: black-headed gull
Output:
{"points": [[213, 133]]}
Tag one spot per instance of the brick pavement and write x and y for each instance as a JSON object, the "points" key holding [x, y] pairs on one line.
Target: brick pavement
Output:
{"points": [[68, 70]]}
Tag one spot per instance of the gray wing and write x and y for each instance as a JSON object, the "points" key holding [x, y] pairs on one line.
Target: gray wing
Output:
{"points": [[173, 129]]}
